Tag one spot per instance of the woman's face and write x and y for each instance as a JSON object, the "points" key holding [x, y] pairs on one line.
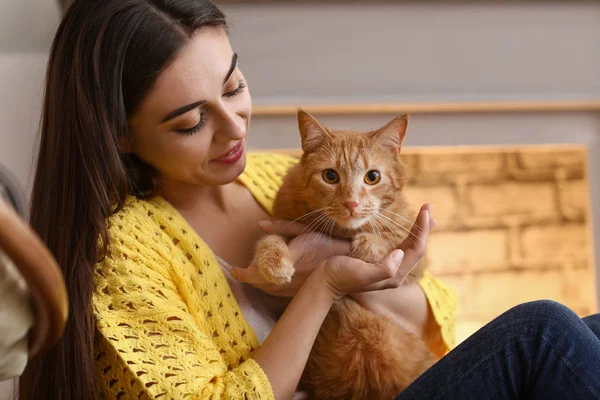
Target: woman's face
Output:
{"points": [[193, 123]]}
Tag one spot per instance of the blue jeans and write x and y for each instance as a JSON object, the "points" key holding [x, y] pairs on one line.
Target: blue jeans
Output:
{"points": [[538, 351]]}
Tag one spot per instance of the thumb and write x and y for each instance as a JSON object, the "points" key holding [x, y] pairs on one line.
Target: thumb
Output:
{"points": [[391, 264], [386, 271]]}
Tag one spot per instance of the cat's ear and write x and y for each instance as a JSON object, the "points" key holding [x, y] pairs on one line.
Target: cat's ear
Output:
{"points": [[392, 135], [312, 132]]}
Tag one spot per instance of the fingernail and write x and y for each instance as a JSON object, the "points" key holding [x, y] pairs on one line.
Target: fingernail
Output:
{"points": [[397, 256], [265, 224]]}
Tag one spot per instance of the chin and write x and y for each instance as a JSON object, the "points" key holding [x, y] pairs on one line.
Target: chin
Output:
{"points": [[227, 173], [353, 223]]}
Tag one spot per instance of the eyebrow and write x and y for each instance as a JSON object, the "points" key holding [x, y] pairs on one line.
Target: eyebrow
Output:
{"points": [[182, 110], [234, 61]]}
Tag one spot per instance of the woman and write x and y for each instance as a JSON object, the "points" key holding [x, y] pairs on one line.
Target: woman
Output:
{"points": [[144, 195]]}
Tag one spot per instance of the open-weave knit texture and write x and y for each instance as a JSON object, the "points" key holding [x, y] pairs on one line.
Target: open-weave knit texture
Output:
{"points": [[168, 325]]}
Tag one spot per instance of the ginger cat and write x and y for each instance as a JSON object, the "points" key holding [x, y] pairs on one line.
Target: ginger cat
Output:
{"points": [[349, 184]]}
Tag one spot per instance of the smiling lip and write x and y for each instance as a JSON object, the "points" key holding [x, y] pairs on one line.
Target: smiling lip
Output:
{"points": [[233, 155]]}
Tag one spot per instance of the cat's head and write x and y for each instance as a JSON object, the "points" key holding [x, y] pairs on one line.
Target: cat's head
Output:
{"points": [[352, 176]]}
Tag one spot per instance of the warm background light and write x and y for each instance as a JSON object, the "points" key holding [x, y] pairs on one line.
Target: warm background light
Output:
{"points": [[513, 226]]}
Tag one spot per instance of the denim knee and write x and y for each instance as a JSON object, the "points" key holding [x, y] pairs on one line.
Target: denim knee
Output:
{"points": [[541, 306], [544, 313]]}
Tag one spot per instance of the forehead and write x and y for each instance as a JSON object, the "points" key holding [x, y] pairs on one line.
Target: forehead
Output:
{"points": [[350, 153], [197, 71], [345, 153]]}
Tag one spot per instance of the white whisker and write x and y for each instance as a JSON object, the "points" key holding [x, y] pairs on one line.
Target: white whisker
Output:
{"points": [[381, 229], [320, 230], [404, 218], [314, 223], [331, 226], [400, 226], [307, 214]]}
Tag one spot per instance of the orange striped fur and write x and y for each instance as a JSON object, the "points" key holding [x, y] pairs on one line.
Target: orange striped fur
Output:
{"points": [[358, 354]]}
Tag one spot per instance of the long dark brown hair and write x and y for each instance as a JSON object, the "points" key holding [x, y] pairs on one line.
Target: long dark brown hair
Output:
{"points": [[105, 57]]}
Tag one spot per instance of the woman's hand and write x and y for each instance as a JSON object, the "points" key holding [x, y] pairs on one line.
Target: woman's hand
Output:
{"points": [[407, 305], [311, 249], [308, 249], [349, 276]]}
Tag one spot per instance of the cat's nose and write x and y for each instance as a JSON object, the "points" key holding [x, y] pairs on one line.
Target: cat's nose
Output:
{"points": [[351, 205]]}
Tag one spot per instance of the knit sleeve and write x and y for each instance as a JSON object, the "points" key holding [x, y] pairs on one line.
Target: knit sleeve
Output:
{"points": [[444, 304], [152, 344]]}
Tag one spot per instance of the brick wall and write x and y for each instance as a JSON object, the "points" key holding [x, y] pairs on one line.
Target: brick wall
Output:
{"points": [[512, 226]]}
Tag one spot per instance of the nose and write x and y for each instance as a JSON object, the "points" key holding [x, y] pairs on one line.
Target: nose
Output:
{"points": [[229, 125], [351, 205]]}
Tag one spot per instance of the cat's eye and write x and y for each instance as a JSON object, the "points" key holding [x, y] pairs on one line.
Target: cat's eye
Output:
{"points": [[331, 176], [372, 177]]}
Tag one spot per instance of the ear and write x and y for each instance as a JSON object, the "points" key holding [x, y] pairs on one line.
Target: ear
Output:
{"points": [[312, 132], [392, 135]]}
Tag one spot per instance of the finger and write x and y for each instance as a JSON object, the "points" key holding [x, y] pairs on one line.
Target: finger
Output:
{"points": [[414, 250], [432, 223], [417, 239], [387, 271], [240, 274], [327, 246], [247, 275], [340, 247], [282, 227], [427, 207]]}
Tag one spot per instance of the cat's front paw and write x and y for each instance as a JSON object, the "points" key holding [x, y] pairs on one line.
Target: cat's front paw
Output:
{"points": [[368, 247], [273, 260]]}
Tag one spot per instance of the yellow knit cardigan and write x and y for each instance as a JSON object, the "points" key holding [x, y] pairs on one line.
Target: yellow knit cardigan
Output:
{"points": [[168, 326]]}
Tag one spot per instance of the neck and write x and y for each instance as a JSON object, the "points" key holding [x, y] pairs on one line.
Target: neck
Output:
{"points": [[188, 198]]}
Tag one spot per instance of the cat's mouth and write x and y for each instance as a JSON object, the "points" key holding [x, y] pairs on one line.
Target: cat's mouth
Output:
{"points": [[352, 221]]}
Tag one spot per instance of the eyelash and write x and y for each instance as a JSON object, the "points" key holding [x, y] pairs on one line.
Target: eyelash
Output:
{"points": [[195, 129], [237, 91], [201, 123]]}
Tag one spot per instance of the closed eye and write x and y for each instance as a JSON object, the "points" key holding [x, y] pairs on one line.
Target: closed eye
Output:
{"points": [[194, 129], [237, 91]]}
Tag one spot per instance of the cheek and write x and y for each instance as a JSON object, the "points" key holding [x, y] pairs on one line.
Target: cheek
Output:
{"points": [[382, 195], [320, 194], [175, 155], [243, 105]]}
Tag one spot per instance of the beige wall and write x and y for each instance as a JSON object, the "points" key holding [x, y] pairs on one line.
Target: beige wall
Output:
{"points": [[513, 226], [21, 91], [26, 31]]}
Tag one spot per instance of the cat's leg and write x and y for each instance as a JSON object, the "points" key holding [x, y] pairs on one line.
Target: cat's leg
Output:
{"points": [[361, 355], [370, 247], [273, 260]]}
